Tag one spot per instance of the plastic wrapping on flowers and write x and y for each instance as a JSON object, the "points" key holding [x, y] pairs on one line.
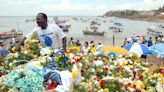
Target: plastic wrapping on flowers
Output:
{"points": [[23, 80]]}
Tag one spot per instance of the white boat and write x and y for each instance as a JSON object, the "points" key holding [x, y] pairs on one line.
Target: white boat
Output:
{"points": [[155, 31], [116, 29]]}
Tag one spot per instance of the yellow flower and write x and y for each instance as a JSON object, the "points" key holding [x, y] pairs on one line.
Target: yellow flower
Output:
{"points": [[121, 76], [83, 84], [142, 85], [78, 49], [37, 64], [13, 49], [162, 81], [93, 49], [144, 73], [159, 75], [98, 69], [75, 73], [35, 56], [106, 90], [99, 87], [113, 75]]}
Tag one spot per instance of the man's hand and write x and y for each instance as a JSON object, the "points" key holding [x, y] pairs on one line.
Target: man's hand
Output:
{"points": [[17, 48]]}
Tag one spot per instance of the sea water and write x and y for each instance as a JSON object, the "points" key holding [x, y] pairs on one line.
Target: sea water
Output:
{"points": [[130, 27]]}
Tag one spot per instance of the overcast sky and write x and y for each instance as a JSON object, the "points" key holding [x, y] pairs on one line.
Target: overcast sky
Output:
{"points": [[73, 7]]}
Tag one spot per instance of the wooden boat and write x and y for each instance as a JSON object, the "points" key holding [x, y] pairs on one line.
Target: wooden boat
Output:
{"points": [[12, 33], [93, 33]]}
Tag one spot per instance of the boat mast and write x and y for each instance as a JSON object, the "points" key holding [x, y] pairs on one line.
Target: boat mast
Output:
{"points": [[18, 27]]}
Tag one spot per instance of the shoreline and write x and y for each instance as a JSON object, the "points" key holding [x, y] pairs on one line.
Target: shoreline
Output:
{"points": [[144, 19]]}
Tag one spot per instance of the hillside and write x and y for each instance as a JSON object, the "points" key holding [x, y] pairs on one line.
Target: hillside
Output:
{"points": [[154, 15]]}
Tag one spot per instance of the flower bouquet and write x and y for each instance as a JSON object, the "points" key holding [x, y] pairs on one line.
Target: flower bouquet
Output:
{"points": [[61, 61], [23, 80]]}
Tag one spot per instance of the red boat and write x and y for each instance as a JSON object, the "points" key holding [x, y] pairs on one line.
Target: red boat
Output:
{"points": [[12, 33]]}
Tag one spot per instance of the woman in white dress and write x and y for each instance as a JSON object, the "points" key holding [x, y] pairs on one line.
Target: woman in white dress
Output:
{"points": [[86, 48]]}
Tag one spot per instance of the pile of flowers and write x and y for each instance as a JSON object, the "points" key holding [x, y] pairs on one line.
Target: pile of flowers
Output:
{"points": [[100, 71], [23, 80], [28, 52], [103, 73]]}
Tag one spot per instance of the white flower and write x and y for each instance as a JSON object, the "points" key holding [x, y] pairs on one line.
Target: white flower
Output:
{"points": [[96, 53], [80, 65], [82, 78], [130, 55], [16, 55], [71, 55], [42, 52], [14, 61], [93, 70], [25, 52], [43, 60], [56, 50], [116, 63], [98, 62], [10, 64], [111, 67]]}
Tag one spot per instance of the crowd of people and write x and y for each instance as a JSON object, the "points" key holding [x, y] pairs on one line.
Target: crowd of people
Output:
{"points": [[87, 46], [148, 41]]}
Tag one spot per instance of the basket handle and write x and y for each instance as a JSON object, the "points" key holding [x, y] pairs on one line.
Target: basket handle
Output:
{"points": [[53, 66], [60, 51], [18, 61]]}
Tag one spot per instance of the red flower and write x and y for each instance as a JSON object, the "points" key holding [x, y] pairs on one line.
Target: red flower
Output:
{"points": [[161, 71], [141, 77], [98, 77], [71, 50], [134, 73], [77, 58], [73, 62], [96, 58], [139, 90], [129, 84], [134, 85], [102, 82], [52, 85]]}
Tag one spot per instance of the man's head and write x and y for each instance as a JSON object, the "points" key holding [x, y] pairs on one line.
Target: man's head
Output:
{"points": [[41, 20]]}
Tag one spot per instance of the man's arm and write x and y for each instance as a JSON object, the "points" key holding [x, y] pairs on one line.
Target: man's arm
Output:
{"points": [[64, 43], [28, 36]]}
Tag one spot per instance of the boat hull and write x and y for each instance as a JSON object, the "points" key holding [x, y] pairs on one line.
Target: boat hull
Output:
{"points": [[93, 33]]}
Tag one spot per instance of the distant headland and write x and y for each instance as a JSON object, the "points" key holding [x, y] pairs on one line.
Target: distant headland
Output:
{"points": [[152, 15]]}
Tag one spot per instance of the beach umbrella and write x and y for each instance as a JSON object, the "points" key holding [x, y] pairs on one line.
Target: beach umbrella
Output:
{"points": [[138, 49], [114, 49], [157, 48]]}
